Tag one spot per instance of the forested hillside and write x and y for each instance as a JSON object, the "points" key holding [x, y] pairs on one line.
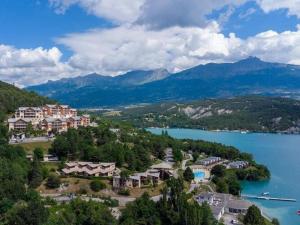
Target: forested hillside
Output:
{"points": [[254, 113], [12, 97]]}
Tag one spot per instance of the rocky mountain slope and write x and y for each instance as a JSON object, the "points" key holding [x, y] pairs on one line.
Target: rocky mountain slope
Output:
{"points": [[253, 113]]}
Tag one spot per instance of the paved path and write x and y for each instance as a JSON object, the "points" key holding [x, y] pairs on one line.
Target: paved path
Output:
{"points": [[123, 200], [183, 164], [31, 140]]}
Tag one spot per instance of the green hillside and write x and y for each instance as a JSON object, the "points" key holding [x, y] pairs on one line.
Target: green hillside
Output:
{"points": [[253, 113], [12, 97]]}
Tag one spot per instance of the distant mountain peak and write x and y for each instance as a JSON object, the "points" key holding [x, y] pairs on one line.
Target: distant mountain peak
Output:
{"points": [[251, 59]]}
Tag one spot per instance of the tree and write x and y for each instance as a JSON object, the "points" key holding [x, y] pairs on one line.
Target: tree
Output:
{"points": [[234, 186], [124, 175], [177, 154], [38, 153], [142, 211], [60, 147], [218, 170], [275, 221], [29, 129], [188, 174], [79, 212], [36, 174], [97, 185], [222, 186], [195, 156], [253, 216], [3, 133], [31, 212], [53, 181]]}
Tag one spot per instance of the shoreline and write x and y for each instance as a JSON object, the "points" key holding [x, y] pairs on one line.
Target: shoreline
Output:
{"points": [[227, 131]]}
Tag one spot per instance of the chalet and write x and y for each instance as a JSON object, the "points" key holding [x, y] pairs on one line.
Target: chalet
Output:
{"points": [[209, 161], [238, 165], [165, 170], [137, 180], [19, 124]]}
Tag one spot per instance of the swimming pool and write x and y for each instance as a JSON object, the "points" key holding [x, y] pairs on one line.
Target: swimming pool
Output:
{"points": [[199, 175]]}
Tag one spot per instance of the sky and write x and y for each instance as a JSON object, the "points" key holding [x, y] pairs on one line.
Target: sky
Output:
{"points": [[43, 40]]}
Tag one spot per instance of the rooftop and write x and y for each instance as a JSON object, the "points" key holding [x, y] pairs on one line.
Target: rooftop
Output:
{"points": [[162, 165], [238, 204]]}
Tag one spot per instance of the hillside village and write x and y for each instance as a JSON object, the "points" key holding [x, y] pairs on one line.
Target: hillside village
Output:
{"points": [[89, 158], [126, 180], [48, 118]]}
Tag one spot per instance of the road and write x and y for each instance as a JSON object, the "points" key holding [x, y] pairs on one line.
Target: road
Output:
{"points": [[183, 164], [123, 200]]}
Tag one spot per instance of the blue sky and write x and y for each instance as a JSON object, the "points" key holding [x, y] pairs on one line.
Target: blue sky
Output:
{"points": [[33, 23], [51, 39]]}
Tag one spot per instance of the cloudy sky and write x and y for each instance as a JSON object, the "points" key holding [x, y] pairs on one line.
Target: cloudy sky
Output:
{"points": [[43, 40]]}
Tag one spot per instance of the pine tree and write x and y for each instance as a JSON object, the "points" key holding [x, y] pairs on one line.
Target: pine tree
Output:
{"points": [[36, 174], [188, 174], [254, 217]]}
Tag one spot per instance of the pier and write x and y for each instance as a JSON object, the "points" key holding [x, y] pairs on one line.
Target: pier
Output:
{"points": [[269, 198]]}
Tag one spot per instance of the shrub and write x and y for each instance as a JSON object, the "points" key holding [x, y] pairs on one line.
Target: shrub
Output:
{"points": [[97, 185], [53, 181], [125, 192], [108, 201], [82, 191]]}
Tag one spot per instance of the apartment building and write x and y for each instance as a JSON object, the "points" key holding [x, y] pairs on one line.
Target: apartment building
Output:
{"points": [[137, 180], [50, 118], [100, 169], [29, 112], [59, 111], [209, 161], [19, 123]]}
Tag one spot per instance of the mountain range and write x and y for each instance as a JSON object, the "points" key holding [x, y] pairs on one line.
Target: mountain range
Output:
{"points": [[213, 80]]}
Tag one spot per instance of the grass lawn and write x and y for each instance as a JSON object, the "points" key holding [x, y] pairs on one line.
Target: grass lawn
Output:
{"points": [[75, 185], [29, 147], [152, 191], [51, 166]]}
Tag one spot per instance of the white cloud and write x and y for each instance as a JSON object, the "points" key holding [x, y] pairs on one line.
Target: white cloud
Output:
{"points": [[120, 49], [171, 34], [153, 13], [113, 51], [167, 13], [293, 6], [119, 11], [31, 66], [275, 47]]}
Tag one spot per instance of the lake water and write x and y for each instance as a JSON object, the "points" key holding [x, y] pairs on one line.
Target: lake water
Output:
{"points": [[281, 153]]}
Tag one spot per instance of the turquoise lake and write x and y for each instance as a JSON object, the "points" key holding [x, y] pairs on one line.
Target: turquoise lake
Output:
{"points": [[281, 153]]}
